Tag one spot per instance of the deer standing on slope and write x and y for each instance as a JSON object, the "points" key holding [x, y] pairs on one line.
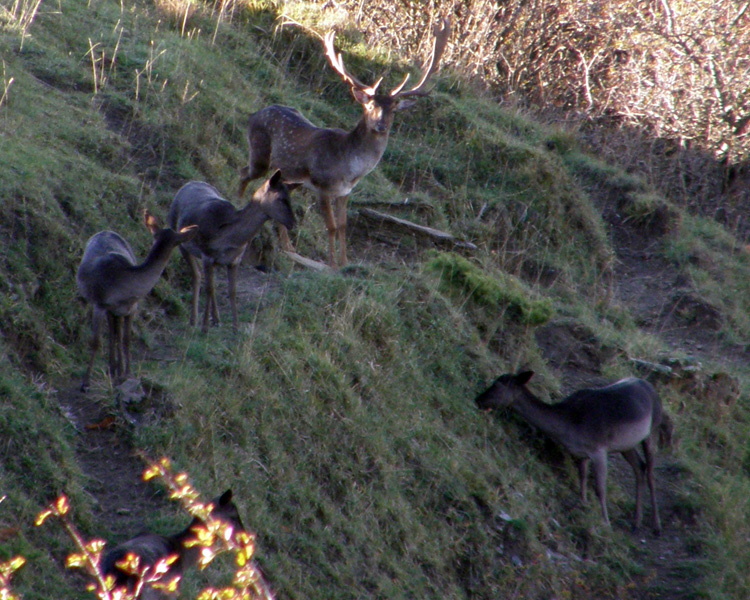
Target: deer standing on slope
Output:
{"points": [[592, 422], [223, 234], [111, 281], [332, 161]]}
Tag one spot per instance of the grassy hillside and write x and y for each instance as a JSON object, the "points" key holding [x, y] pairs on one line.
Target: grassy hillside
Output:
{"points": [[341, 414]]}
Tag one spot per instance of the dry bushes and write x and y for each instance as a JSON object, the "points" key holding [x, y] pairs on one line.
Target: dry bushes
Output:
{"points": [[680, 69], [666, 84]]}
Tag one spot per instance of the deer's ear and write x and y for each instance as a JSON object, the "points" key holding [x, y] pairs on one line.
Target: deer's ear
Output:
{"points": [[524, 377], [151, 222], [225, 498], [360, 95], [404, 104], [275, 180]]}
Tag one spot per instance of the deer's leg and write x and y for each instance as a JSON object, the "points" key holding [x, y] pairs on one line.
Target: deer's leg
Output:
{"points": [[96, 322], [232, 289], [328, 216], [583, 475], [210, 308], [195, 273], [341, 203], [648, 451], [247, 174], [286, 243], [127, 323], [599, 461], [258, 160], [639, 467], [114, 345]]}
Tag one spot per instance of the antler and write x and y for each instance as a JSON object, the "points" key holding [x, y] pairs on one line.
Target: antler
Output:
{"points": [[338, 64], [442, 33]]}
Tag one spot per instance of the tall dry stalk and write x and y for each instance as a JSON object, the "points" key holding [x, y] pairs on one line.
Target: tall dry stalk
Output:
{"points": [[22, 13], [6, 86]]}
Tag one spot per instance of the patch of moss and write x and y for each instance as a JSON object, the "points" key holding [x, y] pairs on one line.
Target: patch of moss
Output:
{"points": [[460, 275]]}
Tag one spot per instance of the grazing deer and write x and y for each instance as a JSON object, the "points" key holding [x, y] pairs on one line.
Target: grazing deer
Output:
{"points": [[111, 281], [223, 234], [332, 161], [590, 423], [151, 548]]}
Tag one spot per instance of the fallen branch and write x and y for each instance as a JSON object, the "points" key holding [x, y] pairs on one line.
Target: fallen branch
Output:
{"points": [[308, 262], [434, 234]]}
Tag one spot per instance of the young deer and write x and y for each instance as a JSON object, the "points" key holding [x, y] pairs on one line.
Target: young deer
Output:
{"points": [[151, 548], [332, 161], [223, 234], [590, 423], [111, 281]]}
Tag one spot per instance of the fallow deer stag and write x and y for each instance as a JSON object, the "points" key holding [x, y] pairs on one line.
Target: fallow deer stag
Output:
{"points": [[223, 235], [592, 422], [332, 161], [113, 283]]}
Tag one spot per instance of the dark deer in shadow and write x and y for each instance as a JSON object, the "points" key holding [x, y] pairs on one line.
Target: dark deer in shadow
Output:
{"points": [[223, 235], [331, 161], [176, 553], [590, 423], [113, 283]]}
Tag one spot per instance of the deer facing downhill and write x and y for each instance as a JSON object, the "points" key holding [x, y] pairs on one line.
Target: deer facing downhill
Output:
{"points": [[592, 422], [224, 233], [331, 161]]}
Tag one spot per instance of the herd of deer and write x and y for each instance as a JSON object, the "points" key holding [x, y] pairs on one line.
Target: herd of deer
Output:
{"points": [[589, 423]]}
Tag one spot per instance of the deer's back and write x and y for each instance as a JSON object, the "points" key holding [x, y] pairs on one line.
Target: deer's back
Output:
{"points": [[198, 203], [619, 415], [275, 119], [149, 547], [107, 259], [321, 158]]}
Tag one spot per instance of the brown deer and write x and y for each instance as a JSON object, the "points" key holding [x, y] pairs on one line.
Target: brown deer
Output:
{"points": [[224, 233], [113, 283], [151, 548], [590, 423], [332, 161]]}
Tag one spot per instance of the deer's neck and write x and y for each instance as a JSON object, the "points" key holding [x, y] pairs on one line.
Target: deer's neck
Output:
{"points": [[366, 143], [144, 276], [551, 419], [188, 556], [233, 237]]}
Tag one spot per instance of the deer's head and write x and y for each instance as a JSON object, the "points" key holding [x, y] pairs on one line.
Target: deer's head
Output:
{"points": [[379, 108], [504, 391]]}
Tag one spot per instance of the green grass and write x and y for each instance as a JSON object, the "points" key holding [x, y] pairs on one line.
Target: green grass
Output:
{"points": [[343, 416]]}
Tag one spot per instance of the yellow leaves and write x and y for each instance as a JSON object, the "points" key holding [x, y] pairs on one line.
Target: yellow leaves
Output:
{"points": [[212, 537], [75, 561], [9, 567], [169, 586], [246, 548], [130, 564], [157, 469], [206, 556], [6, 570], [224, 594], [59, 508]]}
